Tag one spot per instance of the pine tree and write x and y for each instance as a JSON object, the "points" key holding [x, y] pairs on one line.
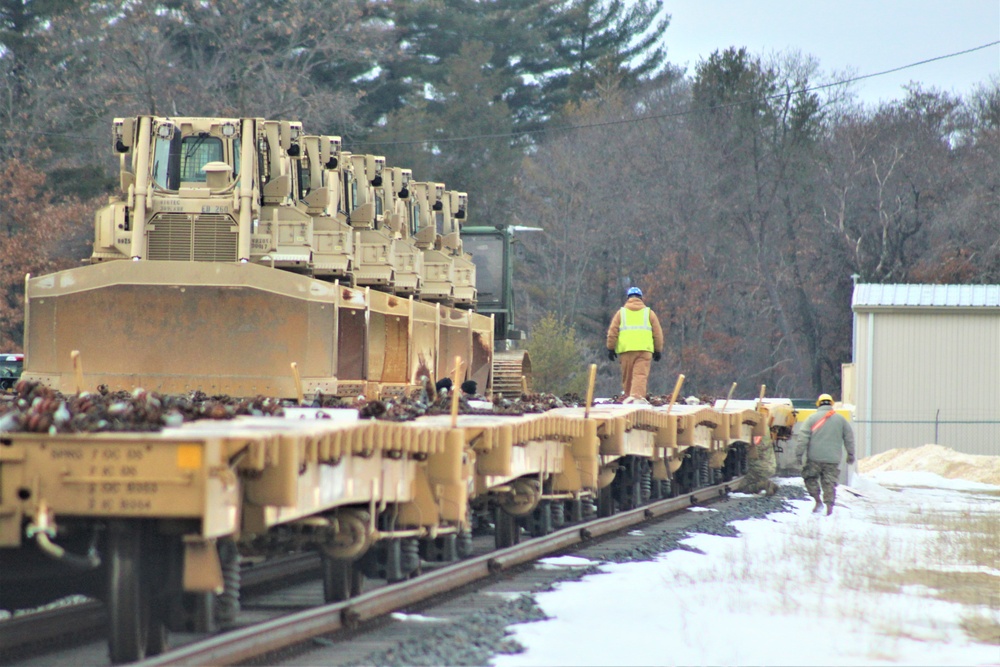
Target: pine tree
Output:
{"points": [[546, 52]]}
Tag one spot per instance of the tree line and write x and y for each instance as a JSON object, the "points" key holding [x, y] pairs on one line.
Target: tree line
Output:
{"points": [[743, 198]]}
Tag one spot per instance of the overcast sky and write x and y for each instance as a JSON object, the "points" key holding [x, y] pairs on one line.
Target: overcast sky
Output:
{"points": [[865, 36]]}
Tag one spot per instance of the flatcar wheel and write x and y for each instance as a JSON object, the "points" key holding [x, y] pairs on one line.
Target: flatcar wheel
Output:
{"points": [[606, 501], [342, 579], [160, 586], [507, 533], [157, 637], [203, 612], [128, 609]]}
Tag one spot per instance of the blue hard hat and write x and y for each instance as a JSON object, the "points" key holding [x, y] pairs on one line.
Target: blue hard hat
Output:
{"points": [[634, 291]]}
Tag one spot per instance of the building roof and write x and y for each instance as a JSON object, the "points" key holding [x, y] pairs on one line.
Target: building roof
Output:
{"points": [[933, 296]]}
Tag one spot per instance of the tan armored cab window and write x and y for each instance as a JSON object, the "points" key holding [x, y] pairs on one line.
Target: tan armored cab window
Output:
{"points": [[166, 157], [438, 208], [179, 159], [236, 155], [305, 177], [415, 218], [196, 152]]}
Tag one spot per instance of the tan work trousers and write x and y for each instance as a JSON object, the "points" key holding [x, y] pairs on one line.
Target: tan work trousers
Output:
{"points": [[635, 372]]}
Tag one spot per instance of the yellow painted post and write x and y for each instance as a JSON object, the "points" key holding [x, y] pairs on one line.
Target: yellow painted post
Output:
{"points": [[298, 383], [77, 369], [590, 390], [410, 379], [455, 383], [488, 392], [677, 390], [731, 390]]}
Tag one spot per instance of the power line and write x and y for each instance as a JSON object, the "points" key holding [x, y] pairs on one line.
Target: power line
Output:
{"points": [[672, 114], [624, 121]]}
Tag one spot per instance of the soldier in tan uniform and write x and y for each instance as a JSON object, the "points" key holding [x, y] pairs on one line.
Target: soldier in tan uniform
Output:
{"points": [[761, 464], [822, 437]]}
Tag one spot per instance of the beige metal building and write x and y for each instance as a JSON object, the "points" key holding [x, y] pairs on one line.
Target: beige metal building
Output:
{"points": [[926, 367]]}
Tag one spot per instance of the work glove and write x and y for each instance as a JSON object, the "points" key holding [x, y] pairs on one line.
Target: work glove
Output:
{"points": [[612, 355], [850, 459], [656, 356]]}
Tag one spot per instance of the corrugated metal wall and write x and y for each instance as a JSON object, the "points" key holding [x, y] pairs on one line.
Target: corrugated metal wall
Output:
{"points": [[929, 375]]}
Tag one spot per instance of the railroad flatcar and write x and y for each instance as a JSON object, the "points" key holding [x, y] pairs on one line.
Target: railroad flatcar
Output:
{"points": [[244, 257]]}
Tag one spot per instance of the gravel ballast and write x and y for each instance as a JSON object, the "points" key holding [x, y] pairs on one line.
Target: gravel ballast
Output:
{"points": [[475, 638]]}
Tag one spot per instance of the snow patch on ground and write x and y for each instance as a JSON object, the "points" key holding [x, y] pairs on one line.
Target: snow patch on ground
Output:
{"points": [[927, 479], [565, 561], [418, 618], [860, 587]]}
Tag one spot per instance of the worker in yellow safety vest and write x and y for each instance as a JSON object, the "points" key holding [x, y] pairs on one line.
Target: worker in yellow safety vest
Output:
{"points": [[635, 338]]}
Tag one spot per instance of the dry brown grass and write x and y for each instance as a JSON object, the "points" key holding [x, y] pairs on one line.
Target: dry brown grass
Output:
{"points": [[967, 547], [965, 588], [958, 553], [982, 629]]}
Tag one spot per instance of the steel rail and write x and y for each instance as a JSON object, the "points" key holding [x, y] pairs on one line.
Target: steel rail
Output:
{"points": [[20, 632], [280, 633]]}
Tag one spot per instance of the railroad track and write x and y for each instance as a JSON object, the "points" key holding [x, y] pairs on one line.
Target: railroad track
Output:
{"points": [[28, 634], [259, 640]]}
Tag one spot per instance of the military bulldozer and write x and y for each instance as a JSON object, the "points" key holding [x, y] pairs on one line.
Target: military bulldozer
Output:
{"points": [[242, 256]]}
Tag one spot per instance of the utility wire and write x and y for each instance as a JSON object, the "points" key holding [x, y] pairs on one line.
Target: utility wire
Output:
{"points": [[672, 114], [626, 121]]}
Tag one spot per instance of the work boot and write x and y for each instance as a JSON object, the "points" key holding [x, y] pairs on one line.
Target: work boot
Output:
{"points": [[829, 504], [772, 489], [819, 503]]}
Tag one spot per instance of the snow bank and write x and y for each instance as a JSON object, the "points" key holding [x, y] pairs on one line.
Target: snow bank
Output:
{"points": [[935, 459]]}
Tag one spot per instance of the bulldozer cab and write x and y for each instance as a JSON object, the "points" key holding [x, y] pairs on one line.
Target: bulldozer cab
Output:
{"points": [[492, 253], [183, 161], [322, 167], [368, 208], [455, 213], [455, 205], [424, 220], [181, 183], [318, 180], [396, 194]]}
